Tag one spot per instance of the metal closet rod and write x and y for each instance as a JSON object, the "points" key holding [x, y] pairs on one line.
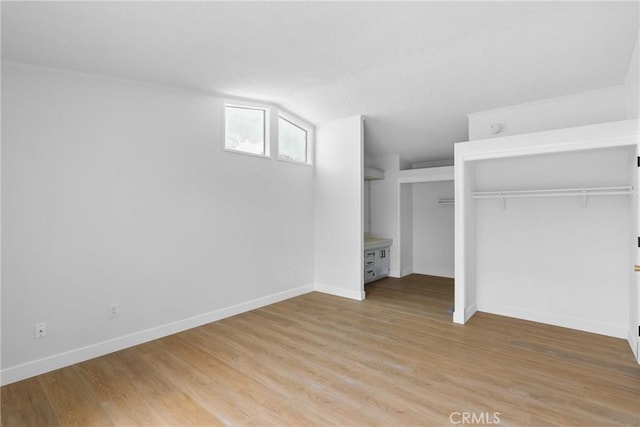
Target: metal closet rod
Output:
{"points": [[555, 192]]}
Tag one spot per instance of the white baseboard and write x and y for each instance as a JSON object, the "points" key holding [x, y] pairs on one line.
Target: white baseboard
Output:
{"points": [[632, 338], [556, 319], [436, 272], [406, 272], [461, 316], [470, 311], [57, 361], [340, 292]]}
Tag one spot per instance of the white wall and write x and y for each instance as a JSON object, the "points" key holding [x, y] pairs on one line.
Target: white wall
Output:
{"points": [[550, 259], [406, 229], [632, 83], [433, 229], [338, 199], [366, 200], [119, 192], [585, 108], [634, 256], [385, 202]]}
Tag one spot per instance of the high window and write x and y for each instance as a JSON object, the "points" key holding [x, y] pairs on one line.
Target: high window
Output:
{"points": [[245, 130], [292, 141]]}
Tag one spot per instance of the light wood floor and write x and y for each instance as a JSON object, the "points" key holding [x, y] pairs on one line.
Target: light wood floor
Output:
{"points": [[394, 359]]}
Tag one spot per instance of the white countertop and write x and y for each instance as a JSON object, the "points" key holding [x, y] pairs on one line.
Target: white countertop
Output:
{"points": [[371, 242]]}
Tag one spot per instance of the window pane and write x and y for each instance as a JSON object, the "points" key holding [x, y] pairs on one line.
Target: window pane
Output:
{"points": [[292, 142], [244, 129]]}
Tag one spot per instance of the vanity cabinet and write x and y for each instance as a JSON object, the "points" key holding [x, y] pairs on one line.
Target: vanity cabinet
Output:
{"points": [[376, 260]]}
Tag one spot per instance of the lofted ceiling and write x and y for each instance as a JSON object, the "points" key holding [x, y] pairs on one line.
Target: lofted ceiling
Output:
{"points": [[414, 69]]}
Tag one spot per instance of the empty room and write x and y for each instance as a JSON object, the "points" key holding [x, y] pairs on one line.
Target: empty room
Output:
{"points": [[320, 213]]}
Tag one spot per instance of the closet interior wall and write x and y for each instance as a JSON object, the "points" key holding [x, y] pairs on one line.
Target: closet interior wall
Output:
{"points": [[553, 259], [366, 206], [433, 228]]}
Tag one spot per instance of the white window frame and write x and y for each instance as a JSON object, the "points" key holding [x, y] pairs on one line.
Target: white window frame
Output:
{"points": [[267, 125], [310, 131]]}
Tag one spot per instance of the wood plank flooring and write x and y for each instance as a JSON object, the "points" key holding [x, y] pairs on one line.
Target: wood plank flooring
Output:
{"points": [[394, 359]]}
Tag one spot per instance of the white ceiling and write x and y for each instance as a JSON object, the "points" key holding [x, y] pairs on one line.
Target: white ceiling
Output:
{"points": [[414, 69]]}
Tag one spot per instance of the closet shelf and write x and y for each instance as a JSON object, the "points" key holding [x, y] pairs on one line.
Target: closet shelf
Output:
{"points": [[556, 192]]}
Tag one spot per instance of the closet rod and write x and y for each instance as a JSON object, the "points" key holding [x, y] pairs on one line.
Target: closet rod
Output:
{"points": [[556, 192], [560, 192]]}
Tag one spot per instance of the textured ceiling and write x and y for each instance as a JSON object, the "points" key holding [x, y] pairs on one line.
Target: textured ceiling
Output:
{"points": [[414, 69]]}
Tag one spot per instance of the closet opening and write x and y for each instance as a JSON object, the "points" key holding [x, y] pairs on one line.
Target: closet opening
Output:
{"points": [[547, 226], [426, 235]]}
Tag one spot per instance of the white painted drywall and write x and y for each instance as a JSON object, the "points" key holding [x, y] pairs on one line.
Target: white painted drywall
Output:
{"points": [[338, 213], [633, 297], [584, 108], [465, 304], [385, 206], [366, 200], [406, 229], [120, 192], [433, 229], [632, 83]]}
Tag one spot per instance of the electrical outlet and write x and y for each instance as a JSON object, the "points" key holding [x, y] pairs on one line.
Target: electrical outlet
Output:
{"points": [[114, 309], [41, 329]]}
